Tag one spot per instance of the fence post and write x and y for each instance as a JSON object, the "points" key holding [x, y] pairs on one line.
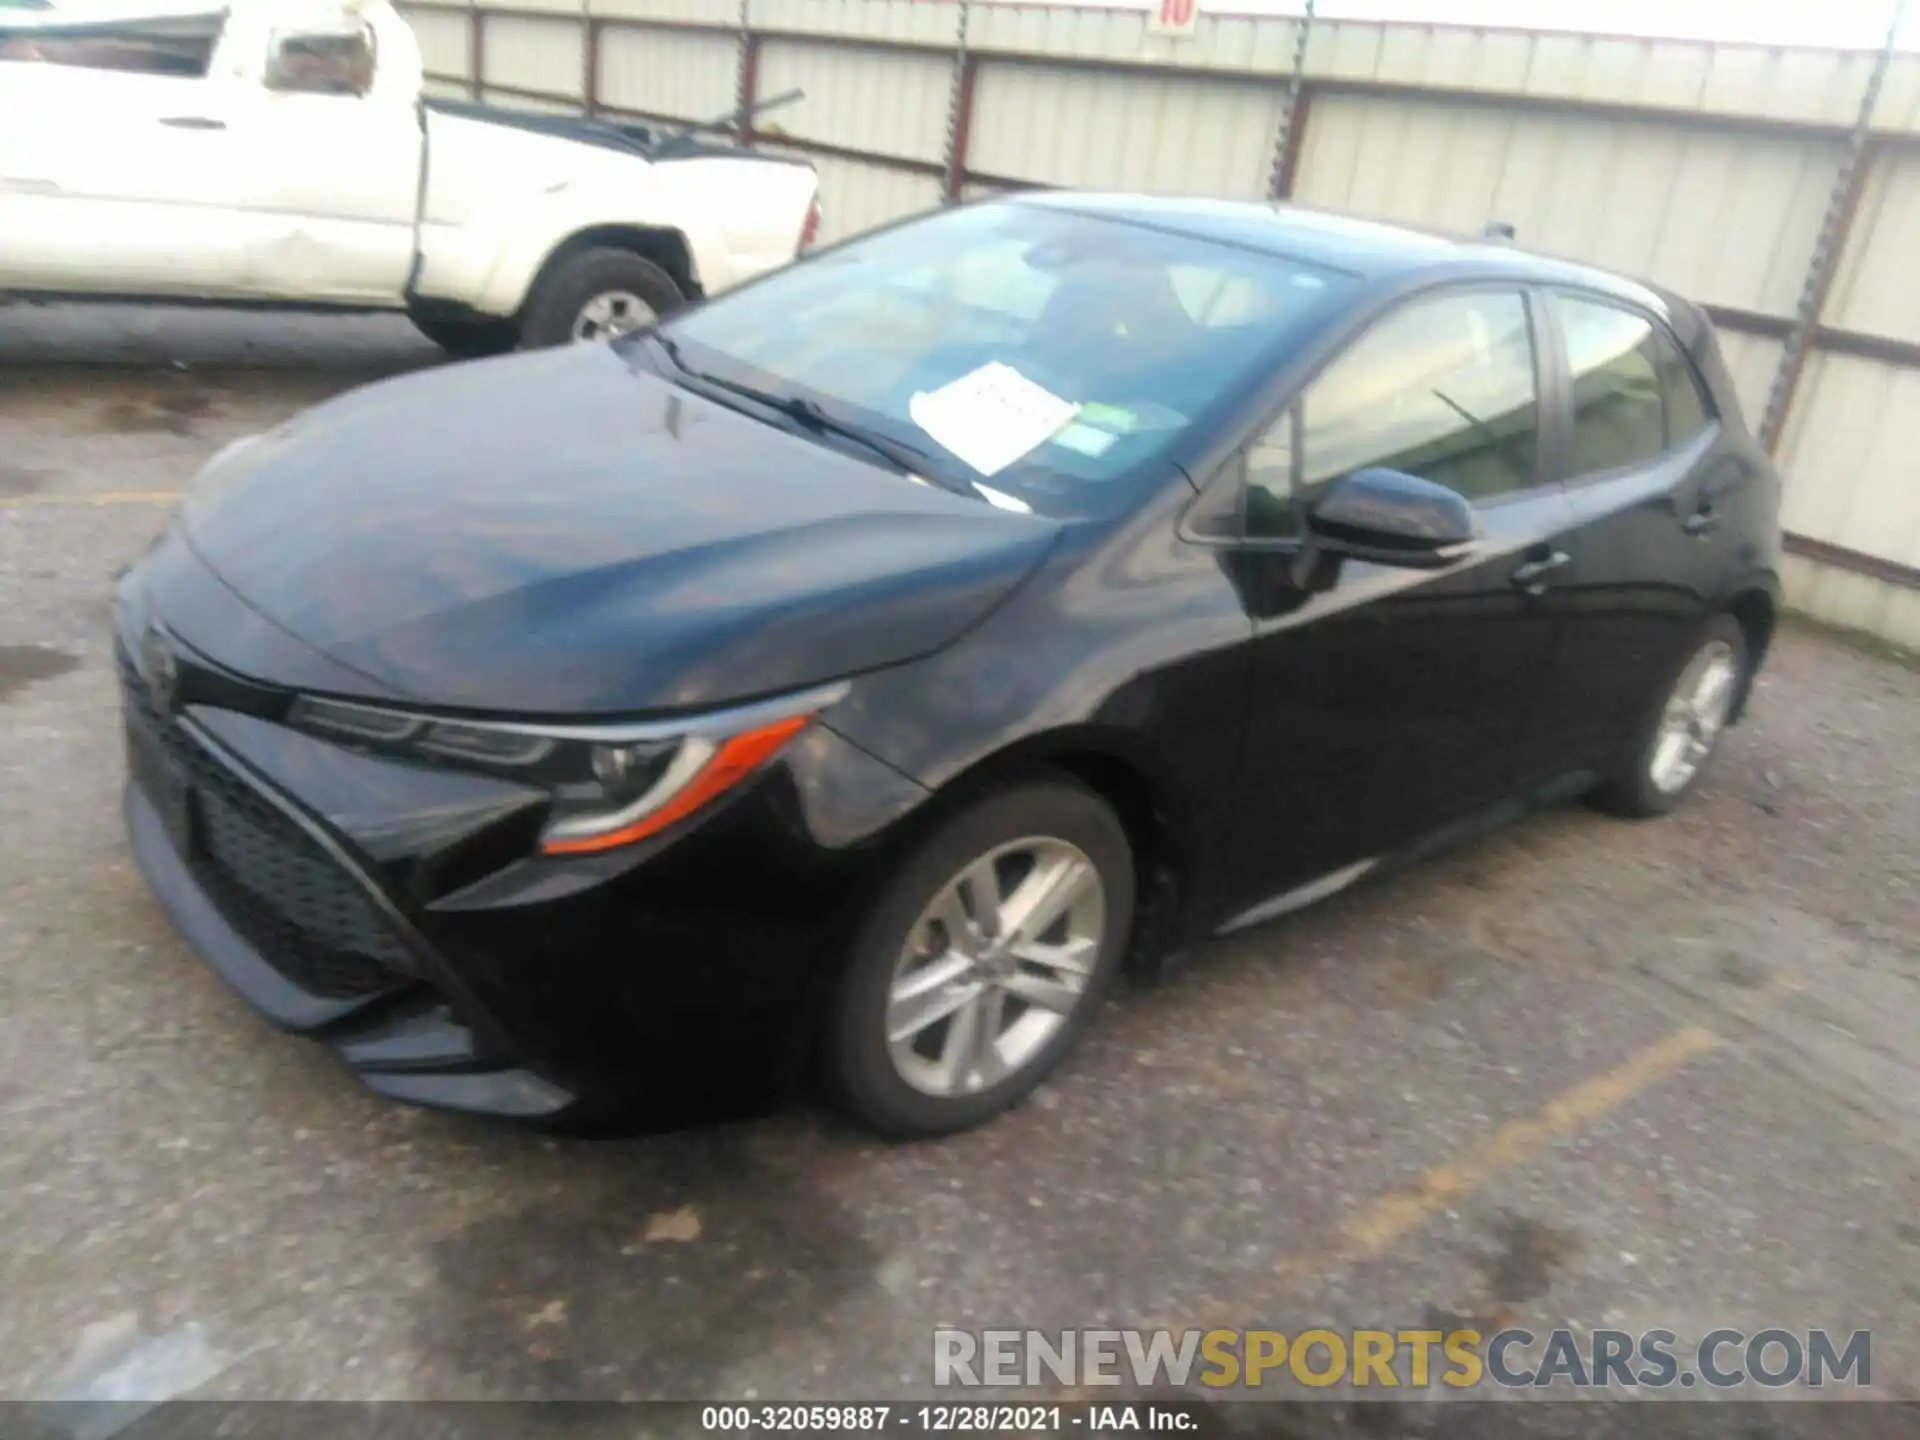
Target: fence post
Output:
{"points": [[1286, 144], [745, 80], [590, 68], [477, 48], [959, 108], [1835, 226]]}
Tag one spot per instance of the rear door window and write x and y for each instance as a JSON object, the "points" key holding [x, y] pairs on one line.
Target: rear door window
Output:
{"points": [[1619, 414]]}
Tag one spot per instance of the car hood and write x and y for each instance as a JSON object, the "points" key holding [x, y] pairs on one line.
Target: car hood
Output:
{"points": [[567, 533]]}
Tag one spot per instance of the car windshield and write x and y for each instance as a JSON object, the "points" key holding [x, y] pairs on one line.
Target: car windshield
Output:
{"points": [[1038, 357]]}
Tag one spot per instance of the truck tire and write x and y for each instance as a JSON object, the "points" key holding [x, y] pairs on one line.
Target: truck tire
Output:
{"points": [[597, 294], [468, 339]]}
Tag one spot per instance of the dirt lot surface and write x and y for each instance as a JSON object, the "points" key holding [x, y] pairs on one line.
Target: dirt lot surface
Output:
{"points": [[1585, 1072]]}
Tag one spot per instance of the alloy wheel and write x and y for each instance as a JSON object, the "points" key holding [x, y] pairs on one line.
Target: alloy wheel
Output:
{"points": [[611, 313], [994, 966], [1695, 714]]}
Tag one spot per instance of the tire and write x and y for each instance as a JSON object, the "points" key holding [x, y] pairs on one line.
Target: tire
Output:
{"points": [[572, 283], [1636, 788], [468, 339], [954, 1086]]}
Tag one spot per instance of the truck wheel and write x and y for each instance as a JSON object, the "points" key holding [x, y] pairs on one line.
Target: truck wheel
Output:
{"points": [[468, 339], [596, 295]]}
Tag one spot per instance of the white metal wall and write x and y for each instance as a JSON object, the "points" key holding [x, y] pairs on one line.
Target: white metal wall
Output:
{"points": [[1720, 216], [668, 73], [1107, 130], [1706, 168], [889, 103]]}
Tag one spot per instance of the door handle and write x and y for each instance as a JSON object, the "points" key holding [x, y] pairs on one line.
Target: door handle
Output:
{"points": [[193, 122], [1702, 522], [1532, 576]]}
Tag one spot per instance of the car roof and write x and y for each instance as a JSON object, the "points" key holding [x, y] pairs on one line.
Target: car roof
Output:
{"points": [[1368, 249]]}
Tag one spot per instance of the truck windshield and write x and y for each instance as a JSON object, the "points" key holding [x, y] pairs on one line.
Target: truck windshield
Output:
{"points": [[1045, 354]]}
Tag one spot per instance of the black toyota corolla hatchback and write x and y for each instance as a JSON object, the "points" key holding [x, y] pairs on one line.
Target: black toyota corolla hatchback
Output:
{"points": [[848, 676]]}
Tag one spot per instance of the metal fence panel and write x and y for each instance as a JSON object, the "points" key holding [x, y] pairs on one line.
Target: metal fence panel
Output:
{"points": [[926, 22], [446, 40], [675, 74], [679, 12], [1875, 290], [1109, 130], [1752, 361], [856, 196], [1858, 602], [531, 53], [895, 104], [1725, 217], [1849, 454]]}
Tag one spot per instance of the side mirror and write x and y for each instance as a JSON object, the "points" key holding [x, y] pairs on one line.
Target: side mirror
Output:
{"points": [[1391, 518]]}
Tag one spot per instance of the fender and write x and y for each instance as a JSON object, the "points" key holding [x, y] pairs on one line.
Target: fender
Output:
{"points": [[501, 201]]}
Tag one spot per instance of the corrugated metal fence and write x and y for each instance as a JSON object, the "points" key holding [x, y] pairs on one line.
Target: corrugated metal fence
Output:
{"points": [[1708, 168]]}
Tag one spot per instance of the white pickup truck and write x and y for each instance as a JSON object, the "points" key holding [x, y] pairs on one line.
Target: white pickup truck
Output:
{"points": [[280, 152]]}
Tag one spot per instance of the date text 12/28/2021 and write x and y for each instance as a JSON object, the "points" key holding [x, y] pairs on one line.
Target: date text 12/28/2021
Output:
{"points": [[953, 1419]]}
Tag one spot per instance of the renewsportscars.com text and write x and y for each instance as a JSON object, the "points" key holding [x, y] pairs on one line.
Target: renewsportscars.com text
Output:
{"points": [[1414, 1359]]}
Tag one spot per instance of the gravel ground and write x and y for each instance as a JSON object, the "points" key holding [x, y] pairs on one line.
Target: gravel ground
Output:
{"points": [[1584, 1072]]}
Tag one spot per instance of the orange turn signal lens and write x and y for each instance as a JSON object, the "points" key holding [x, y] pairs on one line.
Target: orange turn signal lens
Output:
{"points": [[736, 758]]}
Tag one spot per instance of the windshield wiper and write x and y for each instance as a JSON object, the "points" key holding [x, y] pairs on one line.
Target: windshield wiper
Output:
{"points": [[809, 414]]}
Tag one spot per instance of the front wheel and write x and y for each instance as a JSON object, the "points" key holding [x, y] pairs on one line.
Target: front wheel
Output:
{"points": [[1678, 738], [982, 961], [597, 294]]}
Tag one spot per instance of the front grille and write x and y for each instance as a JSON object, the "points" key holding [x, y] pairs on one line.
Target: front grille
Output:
{"points": [[278, 887]]}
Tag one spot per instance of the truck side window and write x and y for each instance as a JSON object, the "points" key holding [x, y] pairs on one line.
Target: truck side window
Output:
{"points": [[321, 63], [184, 51]]}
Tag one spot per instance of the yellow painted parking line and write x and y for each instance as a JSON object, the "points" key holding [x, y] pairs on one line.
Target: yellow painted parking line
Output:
{"points": [[1379, 1224], [98, 497]]}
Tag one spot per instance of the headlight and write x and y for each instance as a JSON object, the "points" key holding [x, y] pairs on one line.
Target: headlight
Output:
{"points": [[610, 785]]}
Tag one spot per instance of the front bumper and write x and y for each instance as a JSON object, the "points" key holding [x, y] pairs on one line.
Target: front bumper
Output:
{"points": [[401, 914], [413, 1050], [270, 902]]}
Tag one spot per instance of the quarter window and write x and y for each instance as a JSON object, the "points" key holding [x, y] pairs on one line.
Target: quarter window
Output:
{"points": [[1443, 389], [1687, 411], [1271, 512], [1618, 412]]}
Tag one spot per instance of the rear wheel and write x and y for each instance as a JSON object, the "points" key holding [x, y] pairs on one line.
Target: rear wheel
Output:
{"points": [[1680, 735], [598, 294], [983, 960]]}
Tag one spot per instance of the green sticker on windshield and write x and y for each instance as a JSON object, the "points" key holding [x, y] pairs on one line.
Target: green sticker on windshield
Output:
{"points": [[1109, 417]]}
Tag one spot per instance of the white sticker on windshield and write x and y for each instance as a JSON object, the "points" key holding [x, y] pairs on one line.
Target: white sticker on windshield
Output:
{"points": [[990, 417]]}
